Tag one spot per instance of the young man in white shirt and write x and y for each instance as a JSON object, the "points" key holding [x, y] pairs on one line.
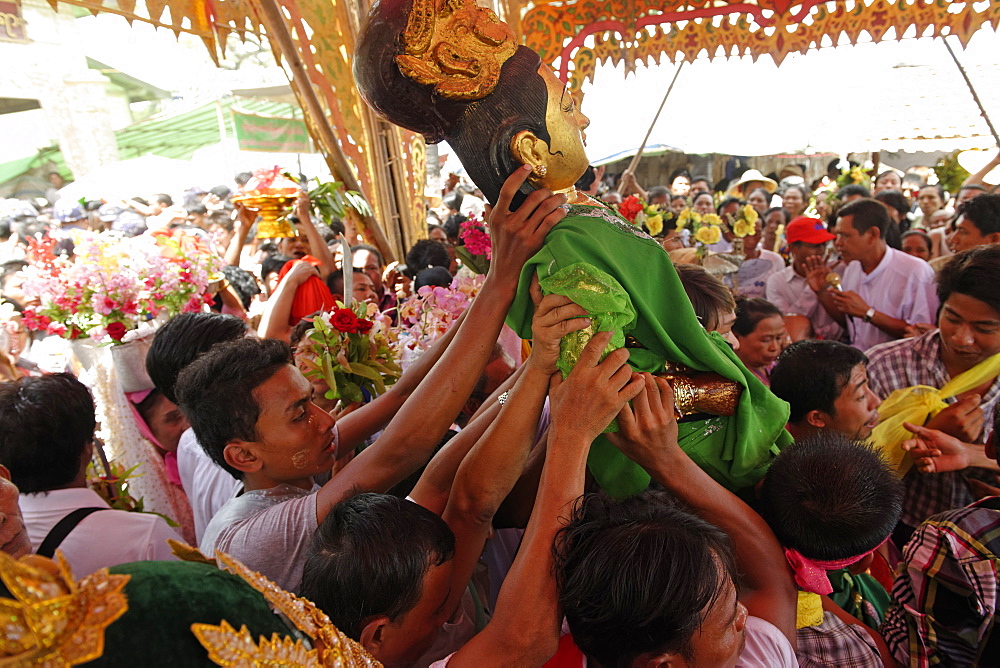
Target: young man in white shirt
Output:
{"points": [[46, 442], [883, 290]]}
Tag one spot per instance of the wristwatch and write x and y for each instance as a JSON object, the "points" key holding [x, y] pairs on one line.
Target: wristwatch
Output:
{"points": [[869, 314]]}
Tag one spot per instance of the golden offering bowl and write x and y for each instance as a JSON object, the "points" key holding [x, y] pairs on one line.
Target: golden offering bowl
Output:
{"points": [[271, 208]]}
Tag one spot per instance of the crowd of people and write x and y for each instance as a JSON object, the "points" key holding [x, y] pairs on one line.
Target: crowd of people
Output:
{"points": [[445, 513]]}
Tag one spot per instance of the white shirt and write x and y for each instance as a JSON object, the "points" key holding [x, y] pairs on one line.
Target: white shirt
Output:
{"points": [[208, 486], [751, 279], [102, 539], [901, 286], [791, 294]]}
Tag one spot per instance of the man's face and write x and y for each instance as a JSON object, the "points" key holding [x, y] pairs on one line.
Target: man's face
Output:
{"points": [[363, 289], [855, 410], [294, 435], [699, 186], [967, 236], [970, 331], [406, 639], [800, 251], [965, 194], [851, 244], [929, 200], [295, 247], [758, 201], [888, 181], [368, 262], [722, 635]]}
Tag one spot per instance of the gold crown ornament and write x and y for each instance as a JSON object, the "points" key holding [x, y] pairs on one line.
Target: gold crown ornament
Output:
{"points": [[52, 620], [455, 46]]}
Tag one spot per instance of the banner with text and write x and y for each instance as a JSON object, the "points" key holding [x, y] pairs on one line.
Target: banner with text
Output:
{"points": [[275, 134]]}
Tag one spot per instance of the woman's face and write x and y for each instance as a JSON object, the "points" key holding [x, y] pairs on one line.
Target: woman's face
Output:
{"points": [[793, 202], [672, 240], [888, 181], [566, 159], [681, 186], [678, 204], [758, 201], [916, 246], [704, 204], [762, 346]]}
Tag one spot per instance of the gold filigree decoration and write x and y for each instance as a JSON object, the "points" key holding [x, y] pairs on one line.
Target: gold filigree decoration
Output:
{"points": [[228, 647], [52, 620], [455, 46], [185, 552]]}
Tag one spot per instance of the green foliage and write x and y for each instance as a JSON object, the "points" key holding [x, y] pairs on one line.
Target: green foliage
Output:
{"points": [[950, 174]]}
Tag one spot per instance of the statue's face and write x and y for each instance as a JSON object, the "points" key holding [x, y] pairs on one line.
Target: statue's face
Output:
{"points": [[567, 160]]}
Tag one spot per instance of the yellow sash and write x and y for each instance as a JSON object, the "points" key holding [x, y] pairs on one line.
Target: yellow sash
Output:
{"points": [[919, 403]]}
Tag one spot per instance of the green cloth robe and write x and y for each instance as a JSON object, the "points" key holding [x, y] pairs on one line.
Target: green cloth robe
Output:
{"points": [[627, 282]]}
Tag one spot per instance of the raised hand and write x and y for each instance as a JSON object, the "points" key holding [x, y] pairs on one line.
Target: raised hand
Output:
{"points": [[963, 419], [934, 451], [555, 317], [647, 429]]}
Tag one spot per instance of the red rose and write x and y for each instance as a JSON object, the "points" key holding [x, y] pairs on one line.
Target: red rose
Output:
{"points": [[116, 331], [630, 208], [344, 320], [364, 326]]}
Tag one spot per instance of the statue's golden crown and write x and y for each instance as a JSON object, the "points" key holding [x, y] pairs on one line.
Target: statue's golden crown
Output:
{"points": [[455, 46]]}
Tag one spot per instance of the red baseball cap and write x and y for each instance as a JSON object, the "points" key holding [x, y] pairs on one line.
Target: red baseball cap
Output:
{"points": [[809, 230]]}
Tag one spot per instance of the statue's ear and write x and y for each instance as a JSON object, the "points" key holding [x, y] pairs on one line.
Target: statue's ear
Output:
{"points": [[530, 150]]}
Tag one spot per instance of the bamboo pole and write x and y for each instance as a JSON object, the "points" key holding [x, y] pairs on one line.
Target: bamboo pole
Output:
{"points": [[972, 89], [277, 31], [635, 159]]}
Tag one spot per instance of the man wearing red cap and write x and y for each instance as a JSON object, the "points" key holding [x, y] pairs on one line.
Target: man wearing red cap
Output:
{"points": [[790, 290]]}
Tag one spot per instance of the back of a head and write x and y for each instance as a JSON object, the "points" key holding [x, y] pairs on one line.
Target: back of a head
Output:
{"points": [[657, 191], [368, 559], [811, 374], [974, 273], [433, 276], [866, 214], [853, 190], [427, 253], [896, 200], [983, 212], [708, 295], [831, 497], [638, 575], [47, 423], [215, 391], [183, 338]]}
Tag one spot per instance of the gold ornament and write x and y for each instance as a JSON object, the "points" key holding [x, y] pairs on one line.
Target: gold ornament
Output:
{"points": [[330, 647], [701, 391], [833, 280], [52, 620], [540, 171], [455, 46], [270, 207]]}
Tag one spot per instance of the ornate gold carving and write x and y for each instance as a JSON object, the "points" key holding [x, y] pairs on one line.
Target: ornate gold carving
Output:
{"points": [[455, 46], [229, 647], [701, 391], [52, 620]]}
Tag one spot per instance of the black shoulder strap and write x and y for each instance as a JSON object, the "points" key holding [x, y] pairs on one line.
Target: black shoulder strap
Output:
{"points": [[62, 529]]}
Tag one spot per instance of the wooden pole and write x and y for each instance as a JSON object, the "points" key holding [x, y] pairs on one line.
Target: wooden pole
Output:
{"points": [[277, 30], [635, 159], [982, 110]]}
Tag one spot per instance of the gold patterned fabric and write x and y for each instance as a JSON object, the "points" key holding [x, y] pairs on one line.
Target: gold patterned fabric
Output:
{"points": [[52, 620]]}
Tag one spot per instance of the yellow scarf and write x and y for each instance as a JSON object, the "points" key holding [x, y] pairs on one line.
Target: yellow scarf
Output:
{"points": [[919, 403]]}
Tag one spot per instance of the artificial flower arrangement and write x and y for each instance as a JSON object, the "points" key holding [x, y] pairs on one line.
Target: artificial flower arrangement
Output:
{"points": [[351, 348], [115, 283], [854, 175], [428, 315], [705, 229], [639, 213], [742, 224], [476, 249]]}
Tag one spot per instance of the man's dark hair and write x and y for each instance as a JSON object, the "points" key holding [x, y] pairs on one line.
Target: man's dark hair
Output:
{"points": [[427, 253], [658, 191], [433, 276], [638, 575], [242, 178], [811, 374], [866, 214], [196, 209], [182, 339], [222, 192], [243, 283], [852, 189], [370, 249], [164, 199], [47, 423], [335, 280], [272, 264], [215, 392], [453, 225], [895, 200], [369, 557], [972, 272], [726, 202], [831, 497], [695, 179], [983, 212]]}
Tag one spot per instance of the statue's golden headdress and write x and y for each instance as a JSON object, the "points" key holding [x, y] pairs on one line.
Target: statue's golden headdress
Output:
{"points": [[455, 46]]}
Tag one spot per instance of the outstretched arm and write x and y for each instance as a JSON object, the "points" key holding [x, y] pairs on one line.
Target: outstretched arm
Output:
{"points": [[648, 435]]}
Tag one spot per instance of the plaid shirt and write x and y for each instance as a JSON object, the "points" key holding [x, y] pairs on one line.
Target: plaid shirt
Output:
{"points": [[917, 361], [945, 596], [835, 643]]}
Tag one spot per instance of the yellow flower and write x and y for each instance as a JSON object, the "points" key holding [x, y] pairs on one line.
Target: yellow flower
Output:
{"points": [[654, 224], [711, 219], [708, 234], [743, 228], [750, 214], [683, 219]]}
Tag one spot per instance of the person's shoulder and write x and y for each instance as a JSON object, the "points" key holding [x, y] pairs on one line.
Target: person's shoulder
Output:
{"points": [[766, 646], [910, 265], [898, 347]]}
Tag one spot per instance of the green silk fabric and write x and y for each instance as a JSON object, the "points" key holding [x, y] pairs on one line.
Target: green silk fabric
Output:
{"points": [[627, 282]]}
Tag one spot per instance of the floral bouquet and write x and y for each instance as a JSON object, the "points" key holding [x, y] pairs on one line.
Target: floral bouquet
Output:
{"points": [[476, 250], [428, 315], [705, 229], [639, 213], [351, 349], [854, 175], [742, 224], [116, 283]]}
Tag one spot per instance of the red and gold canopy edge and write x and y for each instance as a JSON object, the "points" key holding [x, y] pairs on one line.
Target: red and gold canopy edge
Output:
{"points": [[576, 35]]}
